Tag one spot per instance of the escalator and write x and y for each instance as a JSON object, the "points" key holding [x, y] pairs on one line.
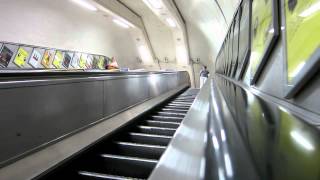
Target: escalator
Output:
{"points": [[131, 152]]}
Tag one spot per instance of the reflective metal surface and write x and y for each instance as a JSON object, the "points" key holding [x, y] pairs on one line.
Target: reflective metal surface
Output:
{"points": [[231, 133]]}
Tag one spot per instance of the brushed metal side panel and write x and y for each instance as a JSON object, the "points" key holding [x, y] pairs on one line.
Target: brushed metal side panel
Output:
{"points": [[122, 93], [32, 116]]}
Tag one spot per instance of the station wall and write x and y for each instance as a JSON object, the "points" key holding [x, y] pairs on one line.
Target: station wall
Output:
{"points": [[64, 25]]}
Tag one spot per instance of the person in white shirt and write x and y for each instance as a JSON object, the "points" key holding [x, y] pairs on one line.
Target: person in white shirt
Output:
{"points": [[204, 74]]}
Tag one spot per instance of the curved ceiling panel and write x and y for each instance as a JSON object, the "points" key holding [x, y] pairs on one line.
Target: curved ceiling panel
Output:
{"points": [[207, 17]]}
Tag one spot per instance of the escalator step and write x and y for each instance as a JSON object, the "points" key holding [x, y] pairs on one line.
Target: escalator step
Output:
{"points": [[163, 113], [127, 166], [167, 118], [156, 130], [181, 103], [174, 110], [150, 139], [177, 107], [162, 124], [85, 175], [137, 150]]}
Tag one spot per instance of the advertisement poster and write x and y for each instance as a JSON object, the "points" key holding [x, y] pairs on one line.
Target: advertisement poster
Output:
{"points": [[75, 60], [95, 62], [67, 60], [89, 62], [35, 58], [5, 56], [83, 61], [58, 59], [101, 63], [47, 58], [302, 31], [263, 33], [21, 57]]}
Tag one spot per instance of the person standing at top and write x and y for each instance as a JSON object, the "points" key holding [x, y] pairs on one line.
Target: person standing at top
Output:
{"points": [[204, 74]]}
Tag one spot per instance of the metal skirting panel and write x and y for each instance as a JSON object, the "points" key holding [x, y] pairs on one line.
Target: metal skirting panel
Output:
{"points": [[32, 116]]}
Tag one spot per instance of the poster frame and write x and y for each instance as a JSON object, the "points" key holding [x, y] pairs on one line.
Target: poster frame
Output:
{"points": [[306, 73], [244, 62], [270, 44]]}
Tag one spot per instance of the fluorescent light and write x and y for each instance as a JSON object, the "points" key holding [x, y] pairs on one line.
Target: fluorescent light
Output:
{"points": [[155, 3], [121, 23], [302, 141], [312, 9], [171, 22], [85, 4]]}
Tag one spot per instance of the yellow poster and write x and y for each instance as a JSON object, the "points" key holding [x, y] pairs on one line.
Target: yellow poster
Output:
{"points": [[101, 62], [302, 30], [58, 59], [83, 61], [47, 57], [262, 31], [21, 57]]}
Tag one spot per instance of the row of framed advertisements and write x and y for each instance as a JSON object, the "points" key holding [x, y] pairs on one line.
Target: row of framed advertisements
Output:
{"points": [[25, 56], [254, 32]]}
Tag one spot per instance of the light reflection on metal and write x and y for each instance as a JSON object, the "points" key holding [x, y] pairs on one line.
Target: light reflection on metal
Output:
{"points": [[311, 10], [301, 140], [215, 143], [221, 174], [223, 135], [228, 165]]}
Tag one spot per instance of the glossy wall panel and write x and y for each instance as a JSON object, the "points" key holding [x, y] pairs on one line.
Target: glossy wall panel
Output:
{"points": [[282, 144]]}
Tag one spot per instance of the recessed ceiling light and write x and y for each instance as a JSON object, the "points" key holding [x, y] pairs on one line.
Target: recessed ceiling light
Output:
{"points": [[171, 22], [85, 4], [121, 23], [157, 4]]}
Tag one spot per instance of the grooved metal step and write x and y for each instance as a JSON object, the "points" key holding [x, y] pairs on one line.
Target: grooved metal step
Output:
{"points": [[162, 124], [167, 118], [174, 110], [174, 114], [85, 175], [150, 139], [156, 130]]}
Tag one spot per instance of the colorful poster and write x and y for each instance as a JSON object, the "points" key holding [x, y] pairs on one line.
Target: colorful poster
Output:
{"points": [[67, 60], [83, 61], [58, 59], [303, 37], [263, 34], [5, 56], [75, 60], [95, 62], [35, 58], [101, 62], [47, 58], [89, 62], [21, 57]]}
